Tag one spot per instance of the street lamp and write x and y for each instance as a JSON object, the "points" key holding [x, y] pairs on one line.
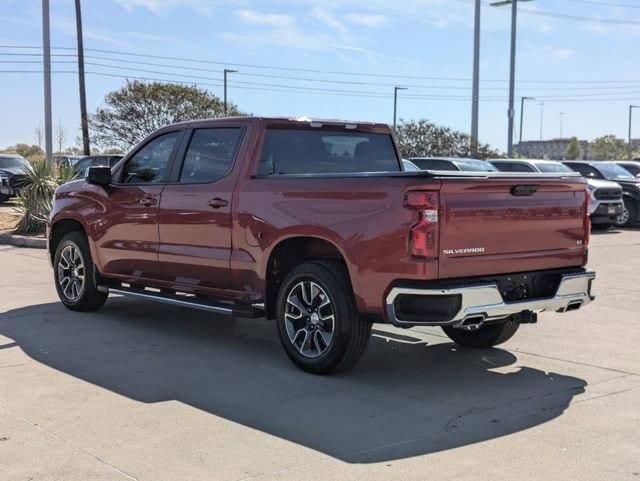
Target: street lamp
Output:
{"points": [[522, 99], [395, 104], [631, 107], [561, 119], [226, 71], [512, 67]]}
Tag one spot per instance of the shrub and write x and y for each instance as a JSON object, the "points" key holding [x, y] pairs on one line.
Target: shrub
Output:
{"points": [[35, 195]]}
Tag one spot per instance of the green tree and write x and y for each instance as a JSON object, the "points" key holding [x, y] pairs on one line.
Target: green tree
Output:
{"points": [[28, 151], [424, 138], [608, 147], [573, 151], [139, 108]]}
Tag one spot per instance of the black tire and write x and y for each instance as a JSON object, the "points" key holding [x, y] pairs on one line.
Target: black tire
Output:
{"points": [[487, 336], [4, 198], [88, 298], [350, 333], [631, 207]]}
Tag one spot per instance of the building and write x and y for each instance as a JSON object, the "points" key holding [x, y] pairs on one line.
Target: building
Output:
{"points": [[556, 148]]}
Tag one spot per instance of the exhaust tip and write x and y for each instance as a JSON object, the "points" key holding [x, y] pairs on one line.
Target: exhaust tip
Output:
{"points": [[573, 306]]}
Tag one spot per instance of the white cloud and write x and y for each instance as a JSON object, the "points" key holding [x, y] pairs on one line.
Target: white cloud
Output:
{"points": [[370, 20], [329, 19], [269, 19], [561, 53], [203, 7]]}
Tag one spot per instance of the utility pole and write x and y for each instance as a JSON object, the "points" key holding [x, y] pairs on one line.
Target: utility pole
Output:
{"points": [[512, 67], [522, 99], [226, 71], [46, 64], [541, 114], [631, 107], [475, 94], [395, 104], [84, 119], [561, 119]]}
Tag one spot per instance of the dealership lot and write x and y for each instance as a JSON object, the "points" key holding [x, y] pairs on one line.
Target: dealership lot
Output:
{"points": [[150, 392]]}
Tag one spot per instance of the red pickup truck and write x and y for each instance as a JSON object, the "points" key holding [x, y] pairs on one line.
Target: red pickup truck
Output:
{"points": [[314, 224]]}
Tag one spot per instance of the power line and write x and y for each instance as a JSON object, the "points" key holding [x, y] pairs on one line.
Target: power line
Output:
{"points": [[256, 66], [380, 95], [607, 4]]}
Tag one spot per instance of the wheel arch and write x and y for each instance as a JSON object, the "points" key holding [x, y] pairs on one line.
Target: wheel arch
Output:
{"points": [[291, 251], [61, 227]]}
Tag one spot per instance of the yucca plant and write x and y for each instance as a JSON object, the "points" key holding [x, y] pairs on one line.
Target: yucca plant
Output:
{"points": [[35, 195]]}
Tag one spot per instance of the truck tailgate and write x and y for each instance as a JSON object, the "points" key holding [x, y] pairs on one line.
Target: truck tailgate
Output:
{"points": [[508, 225]]}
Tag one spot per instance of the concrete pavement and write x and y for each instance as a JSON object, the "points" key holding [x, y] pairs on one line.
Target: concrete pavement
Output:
{"points": [[149, 392]]}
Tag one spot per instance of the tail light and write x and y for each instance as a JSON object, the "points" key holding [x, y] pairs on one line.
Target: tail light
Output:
{"points": [[587, 223], [423, 234]]}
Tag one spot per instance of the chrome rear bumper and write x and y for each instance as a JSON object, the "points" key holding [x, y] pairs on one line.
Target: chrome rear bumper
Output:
{"points": [[481, 303]]}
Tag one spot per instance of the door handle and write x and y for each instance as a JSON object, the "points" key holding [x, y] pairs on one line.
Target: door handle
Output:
{"points": [[217, 202], [148, 201]]}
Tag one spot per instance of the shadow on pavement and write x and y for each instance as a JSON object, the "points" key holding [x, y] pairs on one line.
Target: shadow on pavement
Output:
{"points": [[405, 398]]}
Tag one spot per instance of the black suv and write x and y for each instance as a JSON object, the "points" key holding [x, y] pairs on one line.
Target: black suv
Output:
{"points": [[612, 171], [12, 175]]}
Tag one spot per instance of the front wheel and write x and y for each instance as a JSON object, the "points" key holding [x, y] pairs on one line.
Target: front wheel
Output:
{"points": [[629, 214], [487, 336], [73, 274], [318, 323]]}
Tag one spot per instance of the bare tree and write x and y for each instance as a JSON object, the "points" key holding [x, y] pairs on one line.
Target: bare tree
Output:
{"points": [[61, 136], [38, 134]]}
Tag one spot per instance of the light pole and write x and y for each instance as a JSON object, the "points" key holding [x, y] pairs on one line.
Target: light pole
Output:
{"points": [[46, 68], [512, 66], [631, 107], [226, 71], [475, 90], [395, 104], [522, 99], [84, 119], [561, 119], [541, 115]]}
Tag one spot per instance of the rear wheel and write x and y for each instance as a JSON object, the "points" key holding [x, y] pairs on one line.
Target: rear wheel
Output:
{"points": [[318, 323], [4, 198], [73, 274], [487, 336]]}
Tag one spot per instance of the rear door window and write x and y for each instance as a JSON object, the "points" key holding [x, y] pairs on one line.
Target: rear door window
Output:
{"points": [[290, 151], [210, 155]]}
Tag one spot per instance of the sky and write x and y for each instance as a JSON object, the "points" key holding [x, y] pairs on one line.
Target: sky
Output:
{"points": [[336, 59]]}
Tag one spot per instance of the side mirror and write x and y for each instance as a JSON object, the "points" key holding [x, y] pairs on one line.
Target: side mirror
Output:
{"points": [[98, 175]]}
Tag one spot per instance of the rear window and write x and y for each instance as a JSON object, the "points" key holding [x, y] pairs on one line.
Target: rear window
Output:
{"points": [[289, 151]]}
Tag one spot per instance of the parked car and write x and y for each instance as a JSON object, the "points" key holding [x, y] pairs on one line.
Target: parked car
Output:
{"points": [[611, 171], [409, 166], [68, 159], [606, 196], [108, 160], [632, 166], [314, 224], [452, 164], [11, 175]]}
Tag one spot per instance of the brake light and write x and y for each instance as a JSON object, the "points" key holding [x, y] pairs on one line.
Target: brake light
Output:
{"points": [[423, 234]]}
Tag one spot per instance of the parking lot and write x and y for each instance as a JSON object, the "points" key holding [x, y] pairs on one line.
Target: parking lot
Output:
{"points": [[149, 392]]}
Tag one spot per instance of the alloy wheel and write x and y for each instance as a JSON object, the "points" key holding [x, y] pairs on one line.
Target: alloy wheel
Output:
{"points": [[309, 318], [71, 273]]}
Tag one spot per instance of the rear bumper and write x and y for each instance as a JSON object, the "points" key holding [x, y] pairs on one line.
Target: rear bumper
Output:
{"points": [[476, 304]]}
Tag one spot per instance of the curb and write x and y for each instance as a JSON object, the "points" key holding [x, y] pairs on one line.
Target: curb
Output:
{"points": [[23, 241]]}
